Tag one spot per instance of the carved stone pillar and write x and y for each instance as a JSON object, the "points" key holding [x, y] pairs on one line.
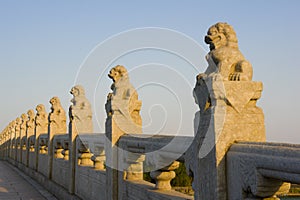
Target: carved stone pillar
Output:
{"points": [[30, 127], [57, 125], [23, 139], [41, 127], [227, 98], [122, 108], [80, 114], [12, 138]]}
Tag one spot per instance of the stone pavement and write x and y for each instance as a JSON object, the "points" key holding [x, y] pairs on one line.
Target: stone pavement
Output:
{"points": [[14, 185]]}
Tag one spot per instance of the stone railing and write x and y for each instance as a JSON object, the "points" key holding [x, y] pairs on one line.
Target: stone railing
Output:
{"points": [[260, 170], [81, 164], [228, 158]]}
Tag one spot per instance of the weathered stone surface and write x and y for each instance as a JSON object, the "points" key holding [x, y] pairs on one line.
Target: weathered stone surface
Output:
{"points": [[228, 113], [122, 108], [41, 120], [57, 117], [258, 170], [81, 112], [30, 124], [24, 118], [17, 131], [225, 57], [57, 126], [164, 176], [30, 127]]}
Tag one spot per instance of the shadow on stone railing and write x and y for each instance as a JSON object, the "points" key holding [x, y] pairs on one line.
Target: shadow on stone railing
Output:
{"points": [[90, 174], [146, 153], [261, 170]]}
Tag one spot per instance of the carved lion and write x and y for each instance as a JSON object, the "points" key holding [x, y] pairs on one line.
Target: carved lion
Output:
{"points": [[57, 117], [80, 111], [41, 118], [123, 91], [224, 56]]}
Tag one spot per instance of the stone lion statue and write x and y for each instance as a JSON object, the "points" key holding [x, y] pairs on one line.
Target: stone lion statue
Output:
{"points": [[225, 57], [30, 123], [81, 111], [57, 116], [124, 92], [41, 119]]}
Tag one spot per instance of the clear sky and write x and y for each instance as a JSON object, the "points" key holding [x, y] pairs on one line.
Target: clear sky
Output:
{"points": [[44, 43]]}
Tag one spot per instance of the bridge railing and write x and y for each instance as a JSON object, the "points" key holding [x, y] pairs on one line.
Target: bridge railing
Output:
{"points": [[262, 169], [228, 157]]}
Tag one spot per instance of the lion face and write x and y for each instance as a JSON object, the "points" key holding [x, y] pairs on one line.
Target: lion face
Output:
{"points": [[55, 102], [40, 109], [214, 38], [117, 72], [30, 113], [219, 35], [24, 116], [77, 90]]}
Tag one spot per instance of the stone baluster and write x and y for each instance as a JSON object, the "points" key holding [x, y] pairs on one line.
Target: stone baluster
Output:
{"points": [[85, 156], [134, 166], [99, 160], [164, 176], [43, 149], [66, 150], [58, 152]]}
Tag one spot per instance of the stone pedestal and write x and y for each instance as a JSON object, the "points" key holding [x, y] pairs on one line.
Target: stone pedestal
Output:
{"points": [[99, 161], [134, 166], [228, 114], [164, 176]]}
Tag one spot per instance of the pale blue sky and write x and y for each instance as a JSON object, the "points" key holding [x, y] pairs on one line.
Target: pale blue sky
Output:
{"points": [[43, 44]]}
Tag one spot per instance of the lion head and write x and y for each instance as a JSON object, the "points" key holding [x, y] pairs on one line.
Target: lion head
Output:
{"points": [[225, 57], [77, 90], [30, 114], [40, 109], [55, 102], [219, 35], [117, 73]]}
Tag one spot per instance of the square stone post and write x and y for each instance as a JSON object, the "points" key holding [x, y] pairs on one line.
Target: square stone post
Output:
{"points": [[57, 125], [80, 114], [72, 155], [41, 127], [122, 108], [227, 98], [231, 115], [30, 127], [17, 136]]}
